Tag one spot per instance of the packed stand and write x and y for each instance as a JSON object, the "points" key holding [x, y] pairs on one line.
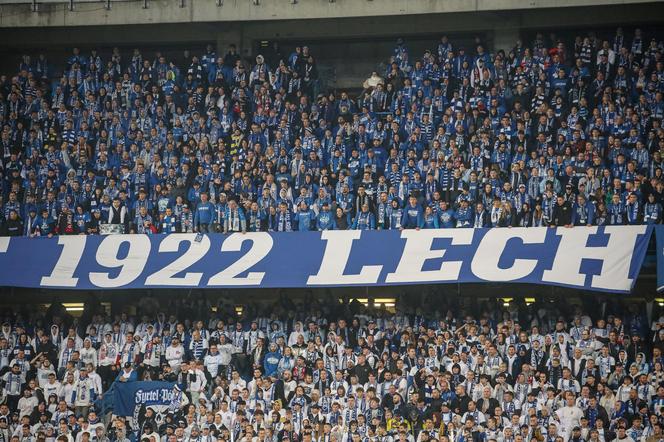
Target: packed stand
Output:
{"points": [[336, 373], [542, 135]]}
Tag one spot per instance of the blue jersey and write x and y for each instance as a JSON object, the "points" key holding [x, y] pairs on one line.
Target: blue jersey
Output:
{"points": [[446, 218], [412, 217], [364, 221], [204, 213], [255, 220], [325, 221], [304, 219], [169, 224], [464, 217], [430, 222]]}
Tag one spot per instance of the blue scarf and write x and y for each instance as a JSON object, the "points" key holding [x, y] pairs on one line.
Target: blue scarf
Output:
{"points": [[284, 222]]}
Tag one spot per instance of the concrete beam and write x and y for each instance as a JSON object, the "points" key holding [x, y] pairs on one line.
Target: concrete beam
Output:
{"points": [[198, 11], [439, 24]]}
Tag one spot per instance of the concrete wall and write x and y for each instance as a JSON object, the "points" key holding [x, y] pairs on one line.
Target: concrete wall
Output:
{"points": [[16, 31]]}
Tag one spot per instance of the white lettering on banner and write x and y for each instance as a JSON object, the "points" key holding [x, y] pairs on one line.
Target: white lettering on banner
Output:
{"points": [[335, 259], [163, 395], [63, 272], [261, 245], [616, 257], [193, 254], [525, 253], [4, 243], [131, 266], [418, 250], [488, 253]]}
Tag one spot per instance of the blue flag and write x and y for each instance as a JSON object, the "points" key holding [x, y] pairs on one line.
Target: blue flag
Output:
{"points": [[132, 398]]}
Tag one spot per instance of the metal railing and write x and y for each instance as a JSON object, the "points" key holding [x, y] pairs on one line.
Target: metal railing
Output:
{"points": [[35, 4], [28, 2]]}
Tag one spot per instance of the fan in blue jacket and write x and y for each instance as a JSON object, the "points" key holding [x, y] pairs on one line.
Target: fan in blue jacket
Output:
{"points": [[204, 214], [365, 220], [127, 374], [446, 218], [271, 361], [305, 217], [464, 215], [234, 219], [325, 219], [283, 219], [583, 212], [429, 220], [412, 215]]}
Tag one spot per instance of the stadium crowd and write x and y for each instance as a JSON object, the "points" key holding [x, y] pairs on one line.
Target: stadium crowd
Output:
{"points": [[543, 134], [336, 372]]}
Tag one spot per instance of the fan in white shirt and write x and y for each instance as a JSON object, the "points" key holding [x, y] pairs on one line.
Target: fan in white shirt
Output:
{"points": [[570, 415], [174, 354]]}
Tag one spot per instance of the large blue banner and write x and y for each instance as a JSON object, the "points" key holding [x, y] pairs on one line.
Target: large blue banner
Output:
{"points": [[130, 399], [659, 235], [593, 258]]}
